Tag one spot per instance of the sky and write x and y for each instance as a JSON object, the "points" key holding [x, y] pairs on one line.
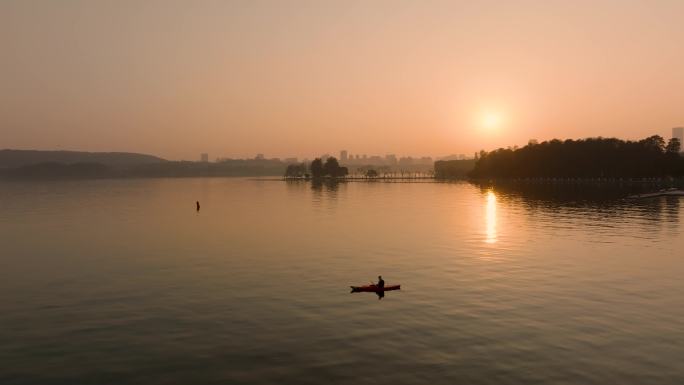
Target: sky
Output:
{"points": [[303, 78]]}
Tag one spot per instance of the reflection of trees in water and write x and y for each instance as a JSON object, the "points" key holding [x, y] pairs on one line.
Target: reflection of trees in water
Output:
{"points": [[568, 193], [672, 213], [600, 205], [672, 208], [296, 184], [324, 192], [328, 185]]}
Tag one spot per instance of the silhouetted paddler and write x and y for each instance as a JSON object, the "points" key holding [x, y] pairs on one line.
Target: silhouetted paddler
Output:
{"points": [[198, 206]]}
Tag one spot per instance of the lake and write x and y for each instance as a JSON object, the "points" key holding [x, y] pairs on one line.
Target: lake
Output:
{"points": [[124, 282]]}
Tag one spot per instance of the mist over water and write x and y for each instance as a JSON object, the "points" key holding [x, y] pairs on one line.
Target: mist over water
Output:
{"points": [[124, 282]]}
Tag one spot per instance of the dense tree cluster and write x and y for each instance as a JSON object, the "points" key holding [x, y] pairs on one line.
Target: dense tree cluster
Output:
{"points": [[296, 171], [449, 169], [331, 168], [587, 158], [371, 173]]}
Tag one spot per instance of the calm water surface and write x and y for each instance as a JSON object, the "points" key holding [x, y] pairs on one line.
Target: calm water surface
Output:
{"points": [[123, 282]]}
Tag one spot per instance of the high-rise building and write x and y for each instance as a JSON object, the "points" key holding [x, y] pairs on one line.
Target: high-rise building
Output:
{"points": [[259, 157], [343, 155], [678, 132], [204, 157]]}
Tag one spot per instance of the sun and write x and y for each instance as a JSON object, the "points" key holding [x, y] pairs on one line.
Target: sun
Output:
{"points": [[491, 120]]}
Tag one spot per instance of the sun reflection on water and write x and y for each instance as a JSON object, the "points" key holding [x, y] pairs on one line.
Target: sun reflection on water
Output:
{"points": [[490, 217]]}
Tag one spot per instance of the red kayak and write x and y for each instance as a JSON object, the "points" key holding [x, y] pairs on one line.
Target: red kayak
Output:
{"points": [[374, 288]]}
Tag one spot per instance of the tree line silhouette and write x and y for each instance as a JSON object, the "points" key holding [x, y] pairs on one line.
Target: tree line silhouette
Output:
{"points": [[585, 158], [453, 169]]}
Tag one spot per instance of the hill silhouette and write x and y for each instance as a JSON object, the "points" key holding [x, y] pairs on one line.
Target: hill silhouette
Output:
{"points": [[20, 158], [30, 164], [54, 170]]}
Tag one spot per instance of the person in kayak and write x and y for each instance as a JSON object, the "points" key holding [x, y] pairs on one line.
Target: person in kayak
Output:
{"points": [[381, 282]]}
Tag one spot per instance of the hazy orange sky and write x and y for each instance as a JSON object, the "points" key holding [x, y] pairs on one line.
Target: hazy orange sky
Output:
{"points": [[300, 78]]}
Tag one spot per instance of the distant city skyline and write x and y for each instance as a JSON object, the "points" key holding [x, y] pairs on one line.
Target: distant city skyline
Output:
{"points": [[345, 156]]}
